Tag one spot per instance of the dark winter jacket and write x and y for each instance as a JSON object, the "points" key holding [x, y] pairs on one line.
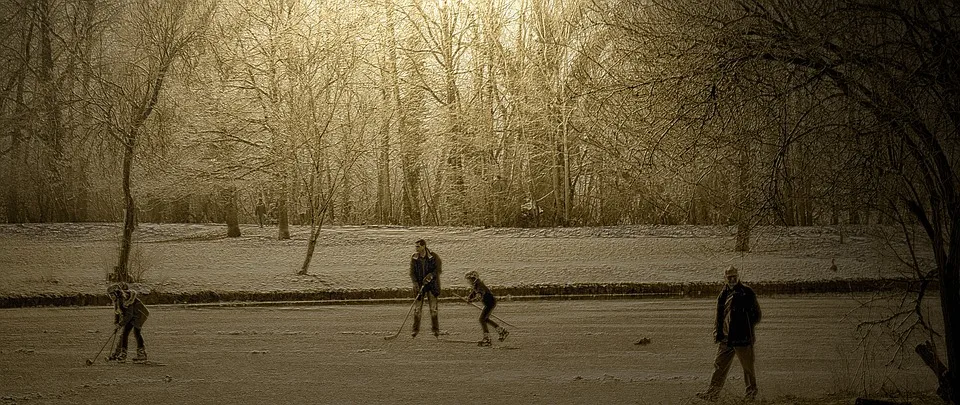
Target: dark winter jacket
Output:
{"points": [[744, 316], [421, 266], [482, 293], [129, 309]]}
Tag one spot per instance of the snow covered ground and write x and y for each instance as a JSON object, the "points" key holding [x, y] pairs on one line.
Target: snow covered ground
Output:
{"points": [[183, 258]]}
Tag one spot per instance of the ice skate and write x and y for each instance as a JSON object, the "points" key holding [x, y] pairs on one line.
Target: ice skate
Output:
{"points": [[485, 341], [709, 396], [119, 356], [502, 334], [141, 354]]}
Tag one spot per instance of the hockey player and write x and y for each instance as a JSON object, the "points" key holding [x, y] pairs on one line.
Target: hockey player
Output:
{"points": [[425, 269], [482, 293], [129, 314]]}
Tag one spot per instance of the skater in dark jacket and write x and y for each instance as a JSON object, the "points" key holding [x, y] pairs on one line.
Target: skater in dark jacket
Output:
{"points": [[425, 268], [737, 315], [129, 314], [480, 292]]}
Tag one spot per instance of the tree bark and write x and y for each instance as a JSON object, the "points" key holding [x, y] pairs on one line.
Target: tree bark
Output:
{"points": [[121, 272], [14, 206], [233, 223], [949, 273], [744, 204], [316, 224], [53, 188], [283, 222]]}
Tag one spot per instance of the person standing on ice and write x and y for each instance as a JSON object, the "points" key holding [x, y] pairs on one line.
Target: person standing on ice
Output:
{"points": [[425, 268], [130, 314], [482, 293], [737, 316]]}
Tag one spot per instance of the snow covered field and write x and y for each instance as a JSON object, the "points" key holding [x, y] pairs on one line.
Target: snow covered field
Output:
{"points": [[182, 258]]}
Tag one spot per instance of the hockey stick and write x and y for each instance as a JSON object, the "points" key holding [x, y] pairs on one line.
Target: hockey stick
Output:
{"points": [[394, 336], [491, 315], [109, 339]]}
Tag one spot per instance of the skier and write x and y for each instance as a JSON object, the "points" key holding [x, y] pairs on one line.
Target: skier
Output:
{"points": [[129, 313], [482, 293]]}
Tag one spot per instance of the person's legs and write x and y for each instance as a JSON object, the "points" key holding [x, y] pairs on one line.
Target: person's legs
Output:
{"points": [[745, 354], [139, 336], [485, 316], [120, 353], [721, 365], [126, 335], [485, 319], [141, 350], [434, 313]]}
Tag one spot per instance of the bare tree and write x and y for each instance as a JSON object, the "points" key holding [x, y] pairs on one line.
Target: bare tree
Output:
{"points": [[150, 39], [332, 120]]}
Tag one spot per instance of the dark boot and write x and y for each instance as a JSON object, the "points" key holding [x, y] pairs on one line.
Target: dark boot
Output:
{"points": [[710, 395], [435, 321], [119, 355], [485, 341], [141, 354]]}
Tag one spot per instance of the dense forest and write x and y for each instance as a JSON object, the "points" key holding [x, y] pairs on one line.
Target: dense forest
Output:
{"points": [[494, 113]]}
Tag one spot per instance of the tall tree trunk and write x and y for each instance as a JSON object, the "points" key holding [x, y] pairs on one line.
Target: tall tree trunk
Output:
{"points": [[17, 161], [121, 272], [411, 152], [316, 224], [384, 207], [391, 102], [233, 223], [283, 222], [949, 302], [743, 202], [14, 173], [456, 202], [50, 123]]}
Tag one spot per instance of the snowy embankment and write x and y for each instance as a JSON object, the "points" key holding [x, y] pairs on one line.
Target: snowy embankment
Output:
{"points": [[66, 264]]}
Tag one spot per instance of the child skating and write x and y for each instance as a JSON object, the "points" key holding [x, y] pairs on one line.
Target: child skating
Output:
{"points": [[129, 314], [482, 293]]}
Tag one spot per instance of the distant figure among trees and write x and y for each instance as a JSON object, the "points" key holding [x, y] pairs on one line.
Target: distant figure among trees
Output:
{"points": [[530, 214], [261, 211]]}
